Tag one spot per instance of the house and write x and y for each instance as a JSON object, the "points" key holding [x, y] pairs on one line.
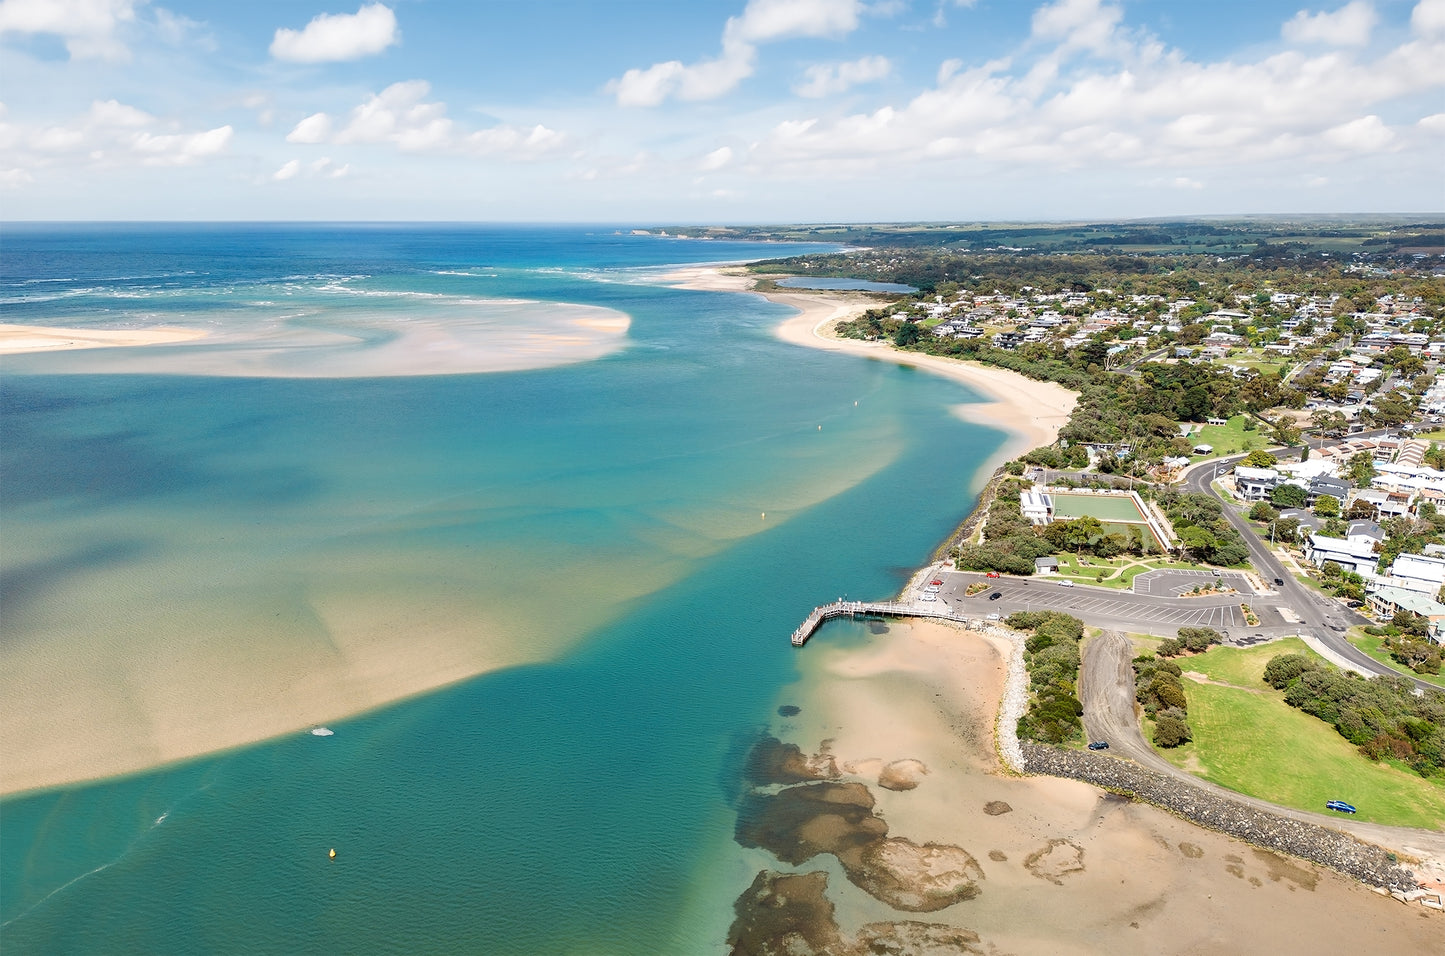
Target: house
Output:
{"points": [[1308, 522], [1203, 449], [1385, 602], [1365, 531], [1046, 565], [1417, 572], [1350, 555], [1255, 484], [1326, 485]]}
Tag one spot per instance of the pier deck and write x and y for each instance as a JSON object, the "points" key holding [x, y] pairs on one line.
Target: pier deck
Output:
{"points": [[828, 612]]}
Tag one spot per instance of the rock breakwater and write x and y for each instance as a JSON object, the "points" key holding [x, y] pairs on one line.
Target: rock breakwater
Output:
{"points": [[1307, 841]]}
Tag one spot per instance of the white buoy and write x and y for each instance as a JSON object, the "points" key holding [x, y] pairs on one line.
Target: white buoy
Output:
{"points": [[332, 854]]}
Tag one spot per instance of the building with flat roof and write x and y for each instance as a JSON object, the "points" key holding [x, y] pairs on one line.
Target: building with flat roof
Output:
{"points": [[1416, 572], [1386, 602]]}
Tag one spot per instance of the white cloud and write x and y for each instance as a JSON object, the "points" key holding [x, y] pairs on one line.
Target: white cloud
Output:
{"points": [[826, 78], [716, 159], [288, 170], [86, 26], [110, 133], [1184, 182], [1428, 18], [766, 20], [762, 21], [1135, 104], [332, 37], [1084, 24], [313, 129], [1435, 122], [1366, 135], [401, 116], [1350, 25]]}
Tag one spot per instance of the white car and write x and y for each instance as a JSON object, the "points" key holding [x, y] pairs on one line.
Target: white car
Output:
{"points": [[1066, 584]]}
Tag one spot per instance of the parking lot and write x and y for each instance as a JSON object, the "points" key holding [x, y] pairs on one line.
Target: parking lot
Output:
{"points": [[1160, 614], [1175, 583]]}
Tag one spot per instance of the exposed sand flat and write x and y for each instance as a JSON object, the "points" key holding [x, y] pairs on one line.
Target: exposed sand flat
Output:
{"points": [[1031, 411], [449, 337], [1068, 868], [19, 339]]}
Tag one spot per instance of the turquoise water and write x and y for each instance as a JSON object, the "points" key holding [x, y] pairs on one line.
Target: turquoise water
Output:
{"points": [[578, 803]]}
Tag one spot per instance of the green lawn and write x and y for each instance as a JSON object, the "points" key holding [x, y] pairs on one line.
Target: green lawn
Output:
{"points": [[1070, 567], [1230, 438], [1248, 739], [1375, 647]]}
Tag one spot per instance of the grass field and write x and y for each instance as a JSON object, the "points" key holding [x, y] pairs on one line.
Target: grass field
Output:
{"points": [[1103, 507], [1248, 739], [1373, 646], [1230, 438]]}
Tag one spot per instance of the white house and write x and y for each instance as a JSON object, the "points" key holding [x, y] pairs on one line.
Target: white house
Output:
{"points": [[1255, 484], [1417, 572], [1350, 555]]}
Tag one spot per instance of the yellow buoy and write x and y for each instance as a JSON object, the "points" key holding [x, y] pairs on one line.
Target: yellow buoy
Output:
{"points": [[820, 428], [332, 854], [765, 516]]}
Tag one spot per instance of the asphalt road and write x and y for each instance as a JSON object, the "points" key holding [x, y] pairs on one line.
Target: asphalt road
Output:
{"points": [[1325, 618], [1106, 689]]}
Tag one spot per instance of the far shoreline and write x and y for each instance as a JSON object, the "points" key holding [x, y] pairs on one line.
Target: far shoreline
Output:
{"points": [[1030, 412]]}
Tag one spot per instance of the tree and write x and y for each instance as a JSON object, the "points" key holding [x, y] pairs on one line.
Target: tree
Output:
{"points": [[1285, 529], [1262, 512], [1327, 506], [1199, 542], [1361, 469], [1259, 459], [1435, 457], [1288, 496], [906, 335], [1171, 732]]}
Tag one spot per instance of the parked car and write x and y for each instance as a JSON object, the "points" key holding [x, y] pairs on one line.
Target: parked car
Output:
{"points": [[994, 617], [995, 595], [1099, 745], [928, 597], [991, 574], [1339, 805], [1066, 584], [936, 583], [1279, 582]]}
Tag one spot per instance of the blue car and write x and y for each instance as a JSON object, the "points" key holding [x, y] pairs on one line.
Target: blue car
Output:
{"points": [[1099, 745], [1339, 805]]}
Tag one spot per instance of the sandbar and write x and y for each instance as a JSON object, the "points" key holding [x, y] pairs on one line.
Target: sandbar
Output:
{"points": [[22, 339], [1067, 868], [1032, 412]]}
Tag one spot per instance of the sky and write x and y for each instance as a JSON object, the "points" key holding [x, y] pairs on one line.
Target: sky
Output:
{"points": [[720, 111]]}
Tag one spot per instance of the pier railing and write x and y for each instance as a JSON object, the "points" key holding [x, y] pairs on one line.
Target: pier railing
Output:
{"points": [[828, 612]]}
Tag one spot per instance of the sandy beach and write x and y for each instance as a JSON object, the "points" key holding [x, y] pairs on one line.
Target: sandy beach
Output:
{"points": [[1067, 868], [23, 339], [1031, 411]]}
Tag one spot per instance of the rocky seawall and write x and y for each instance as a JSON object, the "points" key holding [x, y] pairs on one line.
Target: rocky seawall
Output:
{"points": [[1307, 841]]}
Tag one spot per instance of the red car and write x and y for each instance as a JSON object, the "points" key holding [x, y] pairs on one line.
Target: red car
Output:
{"points": [[991, 574]]}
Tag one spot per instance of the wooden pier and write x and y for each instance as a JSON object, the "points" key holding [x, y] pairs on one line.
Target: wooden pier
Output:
{"points": [[828, 612]]}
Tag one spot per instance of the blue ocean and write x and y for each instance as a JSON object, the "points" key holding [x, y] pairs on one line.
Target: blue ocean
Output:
{"points": [[542, 604]]}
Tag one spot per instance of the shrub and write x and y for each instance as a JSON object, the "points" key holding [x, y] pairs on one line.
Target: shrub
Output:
{"points": [[1169, 647], [1171, 732], [1199, 639]]}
